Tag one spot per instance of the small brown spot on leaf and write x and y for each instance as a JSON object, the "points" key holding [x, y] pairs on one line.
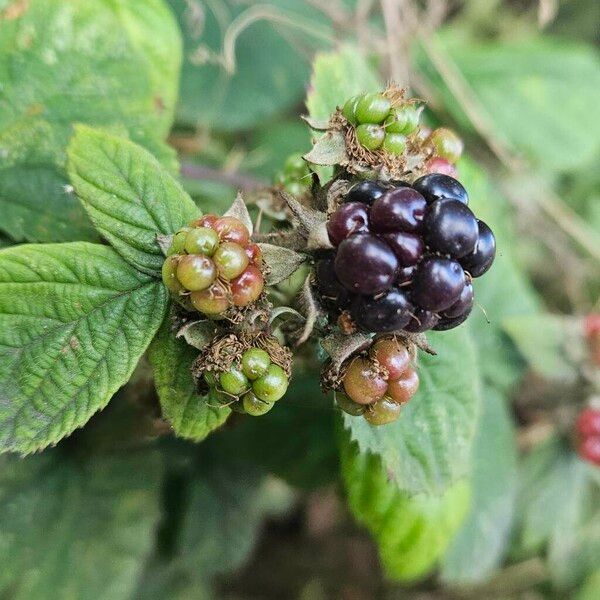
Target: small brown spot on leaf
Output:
{"points": [[14, 10]]}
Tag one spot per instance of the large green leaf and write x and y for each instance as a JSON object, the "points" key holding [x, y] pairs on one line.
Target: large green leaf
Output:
{"points": [[129, 197], [74, 320], [504, 291], [481, 542], [271, 68], [533, 92], [190, 414], [429, 446], [338, 76], [412, 532], [75, 527], [113, 63]]}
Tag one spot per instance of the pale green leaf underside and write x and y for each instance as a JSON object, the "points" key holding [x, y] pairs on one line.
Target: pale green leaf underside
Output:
{"points": [[187, 412], [74, 320], [76, 529], [129, 197], [412, 532], [429, 446], [108, 63]]}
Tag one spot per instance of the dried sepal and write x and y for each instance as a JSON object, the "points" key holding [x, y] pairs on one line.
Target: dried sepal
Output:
{"points": [[280, 262], [239, 210]]}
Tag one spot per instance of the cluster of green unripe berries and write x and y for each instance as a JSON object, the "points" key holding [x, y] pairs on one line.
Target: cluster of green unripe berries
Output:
{"points": [[212, 265], [376, 385], [295, 177], [252, 386], [379, 124]]}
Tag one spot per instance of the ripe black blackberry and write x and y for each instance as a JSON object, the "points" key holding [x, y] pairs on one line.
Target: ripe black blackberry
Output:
{"points": [[405, 255]]}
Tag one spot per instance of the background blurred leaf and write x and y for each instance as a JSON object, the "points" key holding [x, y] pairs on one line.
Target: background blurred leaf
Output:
{"points": [[74, 321], [533, 91], [481, 542], [185, 410], [75, 527], [110, 63], [429, 446], [412, 532], [272, 59]]}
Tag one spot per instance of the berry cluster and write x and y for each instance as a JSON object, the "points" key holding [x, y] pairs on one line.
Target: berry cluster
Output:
{"points": [[405, 255], [378, 384], [212, 265], [295, 176], [588, 432], [252, 386], [379, 124]]}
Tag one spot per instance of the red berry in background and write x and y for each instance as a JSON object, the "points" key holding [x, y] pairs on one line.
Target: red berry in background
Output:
{"points": [[403, 389], [437, 164], [588, 422], [589, 449], [392, 356], [246, 288], [446, 144], [363, 383], [592, 333], [231, 229]]}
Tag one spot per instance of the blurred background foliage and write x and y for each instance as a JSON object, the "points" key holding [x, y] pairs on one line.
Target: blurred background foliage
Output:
{"points": [[121, 509]]}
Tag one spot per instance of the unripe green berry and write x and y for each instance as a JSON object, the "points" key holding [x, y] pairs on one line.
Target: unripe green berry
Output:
{"points": [[234, 382], [201, 240], [231, 260], [272, 385], [370, 136], [447, 144], [169, 275], [255, 363], [348, 406], [394, 143], [382, 412], [178, 243], [196, 272], [412, 119], [255, 406], [372, 108], [403, 119], [210, 378], [349, 110], [212, 302], [218, 398]]}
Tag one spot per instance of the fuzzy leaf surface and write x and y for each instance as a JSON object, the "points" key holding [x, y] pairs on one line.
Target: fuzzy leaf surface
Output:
{"points": [[77, 528], [129, 197], [74, 320], [106, 63], [480, 544], [412, 531], [282, 262], [429, 446], [186, 410]]}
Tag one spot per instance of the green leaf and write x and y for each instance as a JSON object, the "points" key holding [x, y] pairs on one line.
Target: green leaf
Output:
{"points": [[429, 446], [526, 90], [110, 63], [129, 197], [481, 542], [329, 149], [74, 528], [266, 66], [411, 531], [74, 320], [187, 412], [591, 588], [553, 345], [504, 291], [336, 77]]}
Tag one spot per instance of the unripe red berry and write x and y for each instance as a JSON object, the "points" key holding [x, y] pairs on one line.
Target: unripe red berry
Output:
{"points": [[205, 221], [231, 229], [588, 422], [403, 389], [392, 356], [254, 254], [589, 449], [363, 383], [447, 144], [231, 260], [246, 288], [440, 165]]}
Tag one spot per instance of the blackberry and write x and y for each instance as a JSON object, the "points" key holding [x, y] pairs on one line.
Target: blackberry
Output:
{"points": [[435, 186], [481, 258]]}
